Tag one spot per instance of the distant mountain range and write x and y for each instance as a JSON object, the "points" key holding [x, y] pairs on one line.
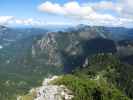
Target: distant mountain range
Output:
{"points": [[52, 48], [39, 52]]}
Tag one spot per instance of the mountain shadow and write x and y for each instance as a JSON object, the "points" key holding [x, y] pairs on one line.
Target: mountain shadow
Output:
{"points": [[90, 47]]}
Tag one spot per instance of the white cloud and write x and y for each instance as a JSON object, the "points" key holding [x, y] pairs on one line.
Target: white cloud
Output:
{"points": [[107, 5], [29, 21], [124, 8], [5, 19], [98, 13], [51, 8], [68, 9], [75, 10], [11, 20]]}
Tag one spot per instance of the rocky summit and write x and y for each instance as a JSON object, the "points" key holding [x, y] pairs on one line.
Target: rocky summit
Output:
{"points": [[49, 92]]}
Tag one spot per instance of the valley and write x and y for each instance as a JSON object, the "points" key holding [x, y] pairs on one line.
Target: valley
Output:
{"points": [[27, 56]]}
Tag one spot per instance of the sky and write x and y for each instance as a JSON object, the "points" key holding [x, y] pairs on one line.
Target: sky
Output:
{"points": [[117, 13]]}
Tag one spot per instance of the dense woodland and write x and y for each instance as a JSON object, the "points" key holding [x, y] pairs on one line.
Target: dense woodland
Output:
{"points": [[104, 78]]}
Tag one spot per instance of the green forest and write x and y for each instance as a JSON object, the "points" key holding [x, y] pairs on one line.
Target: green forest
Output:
{"points": [[104, 78]]}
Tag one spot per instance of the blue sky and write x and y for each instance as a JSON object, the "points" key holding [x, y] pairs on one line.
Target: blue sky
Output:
{"points": [[21, 8], [27, 8], [106, 12]]}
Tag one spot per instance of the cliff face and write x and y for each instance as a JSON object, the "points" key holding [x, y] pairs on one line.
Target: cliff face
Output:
{"points": [[46, 49], [71, 48]]}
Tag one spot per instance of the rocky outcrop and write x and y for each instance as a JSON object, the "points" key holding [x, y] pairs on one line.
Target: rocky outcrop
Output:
{"points": [[46, 49], [50, 92]]}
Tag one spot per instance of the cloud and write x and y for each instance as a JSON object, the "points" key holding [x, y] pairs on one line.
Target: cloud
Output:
{"points": [[68, 9], [36, 22], [29, 21], [98, 13], [107, 13], [11, 20], [5, 19], [51, 8], [123, 8], [74, 9], [126, 8], [107, 5]]}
